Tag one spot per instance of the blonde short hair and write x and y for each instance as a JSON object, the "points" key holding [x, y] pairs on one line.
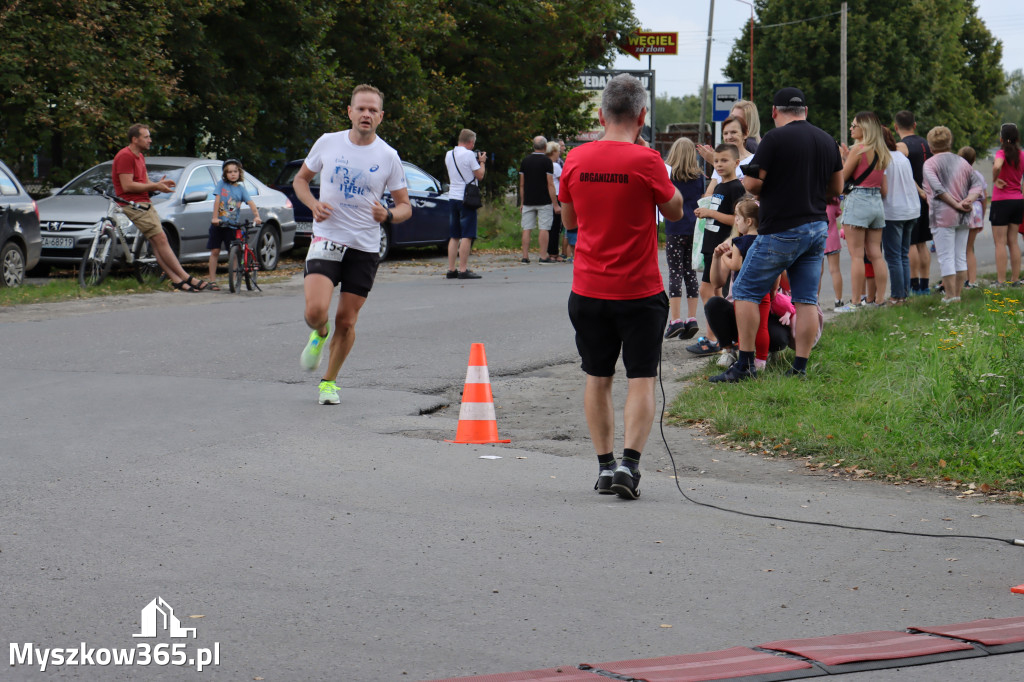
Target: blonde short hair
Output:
{"points": [[940, 139]]}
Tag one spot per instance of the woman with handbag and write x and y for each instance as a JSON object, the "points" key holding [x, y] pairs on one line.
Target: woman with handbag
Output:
{"points": [[863, 213]]}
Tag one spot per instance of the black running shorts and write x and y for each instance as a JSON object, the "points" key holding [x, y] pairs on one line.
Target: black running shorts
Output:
{"points": [[606, 328]]}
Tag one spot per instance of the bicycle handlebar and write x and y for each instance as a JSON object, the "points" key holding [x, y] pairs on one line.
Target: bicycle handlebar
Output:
{"points": [[99, 189]]}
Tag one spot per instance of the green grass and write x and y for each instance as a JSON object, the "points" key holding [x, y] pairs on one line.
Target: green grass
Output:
{"points": [[921, 391], [67, 289]]}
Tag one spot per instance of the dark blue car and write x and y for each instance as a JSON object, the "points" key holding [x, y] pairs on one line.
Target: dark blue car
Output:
{"points": [[428, 225]]}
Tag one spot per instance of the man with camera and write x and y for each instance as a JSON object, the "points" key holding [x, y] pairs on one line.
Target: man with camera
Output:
{"points": [[465, 169]]}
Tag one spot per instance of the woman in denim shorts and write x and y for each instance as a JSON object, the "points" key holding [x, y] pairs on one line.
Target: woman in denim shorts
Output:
{"points": [[863, 213]]}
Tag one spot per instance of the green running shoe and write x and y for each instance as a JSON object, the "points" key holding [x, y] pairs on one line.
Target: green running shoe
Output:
{"points": [[311, 354], [329, 393]]}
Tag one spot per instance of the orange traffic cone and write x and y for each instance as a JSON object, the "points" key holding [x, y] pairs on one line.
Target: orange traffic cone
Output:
{"points": [[477, 423]]}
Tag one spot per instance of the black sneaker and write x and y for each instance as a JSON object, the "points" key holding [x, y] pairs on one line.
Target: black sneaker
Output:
{"points": [[452, 274], [690, 330], [626, 483], [734, 374], [794, 372], [704, 347], [468, 274], [675, 329], [604, 482]]}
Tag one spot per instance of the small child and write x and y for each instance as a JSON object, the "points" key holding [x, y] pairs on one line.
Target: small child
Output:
{"points": [[977, 219], [833, 251], [730, 255], [229, 195], [726, 195]]}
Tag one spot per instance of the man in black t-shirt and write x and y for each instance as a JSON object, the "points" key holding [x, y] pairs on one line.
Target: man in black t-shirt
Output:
{"points": [[538, 201], [916, 149], [795, 170]]}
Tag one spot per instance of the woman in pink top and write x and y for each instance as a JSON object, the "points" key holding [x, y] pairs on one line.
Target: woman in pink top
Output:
{"points": [[863, 213], [952, 189], [1007, 211]]}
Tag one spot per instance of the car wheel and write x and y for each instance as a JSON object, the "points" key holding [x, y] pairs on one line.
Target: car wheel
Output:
{"points": [[385, 242], [268, 248], [12, 259]]}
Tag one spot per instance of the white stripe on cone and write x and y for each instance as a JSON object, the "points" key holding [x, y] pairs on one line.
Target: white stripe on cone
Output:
{"points": [[477, 374], [477, 412]]}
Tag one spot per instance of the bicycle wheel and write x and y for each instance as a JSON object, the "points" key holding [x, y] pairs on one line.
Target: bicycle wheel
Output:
{"points": [[143, 261], [97, 261], [251, 269], [235, 268]]}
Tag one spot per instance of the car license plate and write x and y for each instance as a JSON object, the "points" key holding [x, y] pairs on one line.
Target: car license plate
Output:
{"points": [[58, 242]]}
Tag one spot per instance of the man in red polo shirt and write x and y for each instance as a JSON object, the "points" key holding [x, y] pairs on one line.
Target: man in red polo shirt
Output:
{"points": [[609, 191], [131, 183]]}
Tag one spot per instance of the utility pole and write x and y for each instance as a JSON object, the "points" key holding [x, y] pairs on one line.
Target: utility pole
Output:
{"points": [[707, 65], [842, 76]]}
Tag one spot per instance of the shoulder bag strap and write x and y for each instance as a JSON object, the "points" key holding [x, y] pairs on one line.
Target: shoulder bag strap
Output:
{"points": [[455, 162], [863, 176]]}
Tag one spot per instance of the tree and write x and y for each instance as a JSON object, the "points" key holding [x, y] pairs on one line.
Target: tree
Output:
{"points": [[1010, 107], [933, 57], [685, 109], [62, 98]]}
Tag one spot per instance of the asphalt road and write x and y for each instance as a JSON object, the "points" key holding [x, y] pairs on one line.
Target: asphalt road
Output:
{"points": [[169, 446]]}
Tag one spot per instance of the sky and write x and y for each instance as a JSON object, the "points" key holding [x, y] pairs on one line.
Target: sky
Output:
{"points": [[683, 74]]}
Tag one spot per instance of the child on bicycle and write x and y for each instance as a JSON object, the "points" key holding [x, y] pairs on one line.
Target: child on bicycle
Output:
{"points": [[229, 195]]}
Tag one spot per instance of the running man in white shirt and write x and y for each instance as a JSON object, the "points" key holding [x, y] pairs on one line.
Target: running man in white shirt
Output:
{"points": [[355, 168]]}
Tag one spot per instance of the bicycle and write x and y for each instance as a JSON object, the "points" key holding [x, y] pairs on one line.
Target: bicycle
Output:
{"points": [[242, 261], [110, 243]]}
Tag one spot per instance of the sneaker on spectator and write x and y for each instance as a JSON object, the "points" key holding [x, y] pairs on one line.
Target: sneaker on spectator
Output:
{"points": [[675, 329], [690, 330], [452, 274], [468, 274], [848, 308], [704, 347], [626, 482], [734, 374], [727, 358], [760, 364]]}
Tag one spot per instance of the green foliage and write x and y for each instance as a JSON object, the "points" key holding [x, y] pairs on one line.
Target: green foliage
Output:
{"points": [[1010, 107], [669, 110], [262, 80], [933, 57], [919, 390]]}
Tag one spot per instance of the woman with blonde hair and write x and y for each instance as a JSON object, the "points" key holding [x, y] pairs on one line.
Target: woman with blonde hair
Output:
{"points": [[685, 174], [746, 109], [863, 212], [554, 152]]}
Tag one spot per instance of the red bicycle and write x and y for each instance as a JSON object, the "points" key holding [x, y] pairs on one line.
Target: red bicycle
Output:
{"points": [[242, 261]]}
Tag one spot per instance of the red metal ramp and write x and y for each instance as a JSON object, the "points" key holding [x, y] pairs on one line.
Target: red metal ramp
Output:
{"points": [[995, 635], [875, 650], [738, 664], [565, 673]]}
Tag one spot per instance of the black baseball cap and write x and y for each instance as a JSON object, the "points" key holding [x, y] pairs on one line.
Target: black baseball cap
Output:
{"points": [[789, 97]]}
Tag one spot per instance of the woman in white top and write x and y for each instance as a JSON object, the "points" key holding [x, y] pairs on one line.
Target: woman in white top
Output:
{"points": [[734, 132], [554, 152], [902, 206]]}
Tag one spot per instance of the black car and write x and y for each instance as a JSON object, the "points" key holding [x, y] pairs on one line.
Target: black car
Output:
{"points": [[20, 241], [428, 225]]}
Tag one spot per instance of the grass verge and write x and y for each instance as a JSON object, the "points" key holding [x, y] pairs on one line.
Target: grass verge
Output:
{"points": [[922, 393]]}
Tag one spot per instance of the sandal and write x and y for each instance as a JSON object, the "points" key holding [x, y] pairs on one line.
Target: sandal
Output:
{"points": [[201, 284], [184, 285]]}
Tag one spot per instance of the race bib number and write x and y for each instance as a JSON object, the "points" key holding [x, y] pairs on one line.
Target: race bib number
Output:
{"points": [[322, 248]]}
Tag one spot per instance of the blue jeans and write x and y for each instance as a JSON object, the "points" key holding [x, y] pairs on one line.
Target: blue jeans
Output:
{"points": [[797, 251], [896, 244], [461, 221]]}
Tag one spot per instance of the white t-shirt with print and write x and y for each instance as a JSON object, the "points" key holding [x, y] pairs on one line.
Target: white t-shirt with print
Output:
{"points": [[467, 164], [352, 178]]}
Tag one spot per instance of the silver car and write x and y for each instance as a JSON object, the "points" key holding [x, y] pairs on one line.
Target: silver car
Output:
{"points": [[69, 216]]}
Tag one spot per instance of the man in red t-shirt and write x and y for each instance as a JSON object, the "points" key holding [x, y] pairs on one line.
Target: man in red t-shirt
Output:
{"points": [[609, 191], [131, 183]]}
